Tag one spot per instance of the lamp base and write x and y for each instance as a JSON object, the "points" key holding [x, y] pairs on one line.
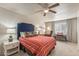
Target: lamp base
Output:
{"points": [[10, 39]]}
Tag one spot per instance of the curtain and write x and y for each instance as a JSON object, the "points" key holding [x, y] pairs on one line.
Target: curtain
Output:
{"points": [[61, 27], [72, 30]]}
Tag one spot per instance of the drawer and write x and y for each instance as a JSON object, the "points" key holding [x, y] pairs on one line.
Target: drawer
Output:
{"points": [[13, 45]]}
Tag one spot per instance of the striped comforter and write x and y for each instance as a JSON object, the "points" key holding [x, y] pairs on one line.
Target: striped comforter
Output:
{"points": [[38, 45]]}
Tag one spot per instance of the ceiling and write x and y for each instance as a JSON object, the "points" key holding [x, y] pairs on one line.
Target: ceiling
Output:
{"points": [[26, 11]]}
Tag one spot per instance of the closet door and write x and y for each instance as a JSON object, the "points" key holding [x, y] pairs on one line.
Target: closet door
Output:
{"points": [[74, 30]]}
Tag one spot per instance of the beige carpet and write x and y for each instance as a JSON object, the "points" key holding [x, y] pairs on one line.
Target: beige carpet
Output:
{"points": [[65, 49], [62, 49]]}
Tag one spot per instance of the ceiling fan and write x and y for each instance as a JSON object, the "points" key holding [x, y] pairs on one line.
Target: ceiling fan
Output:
{"points": [[48, 8]]}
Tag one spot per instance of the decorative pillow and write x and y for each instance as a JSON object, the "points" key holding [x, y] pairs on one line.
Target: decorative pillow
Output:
{"points": [[26, 34], [29, 34], [59, 33], [22, 34]]}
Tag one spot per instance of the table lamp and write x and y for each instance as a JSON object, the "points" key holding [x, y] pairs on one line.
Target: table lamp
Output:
{"points": [[10, 31]]}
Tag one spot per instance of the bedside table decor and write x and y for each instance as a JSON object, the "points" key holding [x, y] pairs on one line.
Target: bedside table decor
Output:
{"points": [[11, 32], [10, 39]]}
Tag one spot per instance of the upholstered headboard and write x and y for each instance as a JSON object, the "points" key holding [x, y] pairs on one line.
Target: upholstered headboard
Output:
{"points": [[24, 27]]}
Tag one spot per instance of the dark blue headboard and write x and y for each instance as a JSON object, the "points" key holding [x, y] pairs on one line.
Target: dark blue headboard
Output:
{"points": [[24, 27]]}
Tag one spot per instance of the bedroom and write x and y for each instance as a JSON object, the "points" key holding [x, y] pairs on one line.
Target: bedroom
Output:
{"points": [[63, 24]]}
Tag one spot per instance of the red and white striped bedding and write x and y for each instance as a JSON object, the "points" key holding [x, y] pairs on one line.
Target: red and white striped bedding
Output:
{"points": [[39, 45]]}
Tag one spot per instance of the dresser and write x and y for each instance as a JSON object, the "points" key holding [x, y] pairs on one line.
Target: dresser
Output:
{"points": [[11, 47]]}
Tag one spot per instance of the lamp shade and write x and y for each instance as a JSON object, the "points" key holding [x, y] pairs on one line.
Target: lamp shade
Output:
{"points": [[11, 30], [48, 28]]}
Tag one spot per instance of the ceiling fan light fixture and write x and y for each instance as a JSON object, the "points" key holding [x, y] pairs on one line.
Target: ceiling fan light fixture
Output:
{"points": [[46, 11], [47, 8]]}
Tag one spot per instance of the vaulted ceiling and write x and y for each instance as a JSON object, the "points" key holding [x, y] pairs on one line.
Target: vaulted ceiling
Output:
{"points": [[25, 12]]}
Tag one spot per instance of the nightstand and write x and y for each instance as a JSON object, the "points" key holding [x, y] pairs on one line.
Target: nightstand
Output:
{"points": [[11, 47]]}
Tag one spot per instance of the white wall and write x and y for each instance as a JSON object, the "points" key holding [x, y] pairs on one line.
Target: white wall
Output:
{"points": [[78, 26], [78, 29]]}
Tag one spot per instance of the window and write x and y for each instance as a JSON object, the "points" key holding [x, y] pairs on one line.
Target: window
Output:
{"points": [[61, 27]]}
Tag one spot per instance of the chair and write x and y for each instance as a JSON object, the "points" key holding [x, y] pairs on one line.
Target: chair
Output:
{"points": [[60, 36]]}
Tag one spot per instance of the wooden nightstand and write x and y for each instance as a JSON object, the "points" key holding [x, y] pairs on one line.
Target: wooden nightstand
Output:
{"points": [[11, 47]]}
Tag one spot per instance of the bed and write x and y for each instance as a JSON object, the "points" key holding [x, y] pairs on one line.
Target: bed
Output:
{"points": [[38, 45]]}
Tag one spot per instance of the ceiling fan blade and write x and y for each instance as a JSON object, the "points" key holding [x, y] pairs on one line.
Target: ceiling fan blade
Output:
{"points": [[57, 4], [52, 11], [44, 14]]}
